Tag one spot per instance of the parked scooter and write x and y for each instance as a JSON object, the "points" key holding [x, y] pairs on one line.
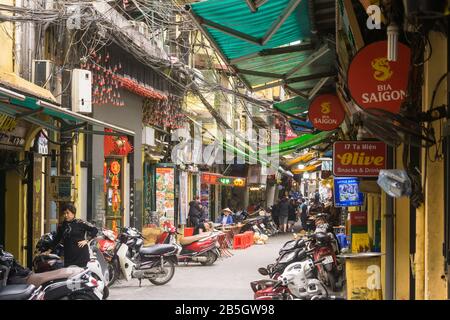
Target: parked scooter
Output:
{"points": [[44, 261], [203, 248], [155, 263], [18, 283], [107, 244]]}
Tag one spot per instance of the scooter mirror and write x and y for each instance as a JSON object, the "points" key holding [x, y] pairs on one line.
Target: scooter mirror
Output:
{"points": [[263, 271]]}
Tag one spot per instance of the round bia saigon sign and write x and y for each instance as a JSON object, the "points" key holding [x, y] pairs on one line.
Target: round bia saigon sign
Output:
{"points": [[376, 83], [326, 112]]}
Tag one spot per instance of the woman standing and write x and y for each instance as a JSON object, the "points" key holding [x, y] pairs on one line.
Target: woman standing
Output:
{"points": [[73, 232]]}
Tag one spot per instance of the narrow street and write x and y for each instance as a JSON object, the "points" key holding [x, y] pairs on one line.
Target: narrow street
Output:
{"points": [[227, 279]]}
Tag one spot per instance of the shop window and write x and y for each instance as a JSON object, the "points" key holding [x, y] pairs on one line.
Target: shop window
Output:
{"points": [[113, 187]]}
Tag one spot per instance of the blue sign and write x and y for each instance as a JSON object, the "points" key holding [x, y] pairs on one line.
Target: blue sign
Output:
{"points": [[346, 192]]}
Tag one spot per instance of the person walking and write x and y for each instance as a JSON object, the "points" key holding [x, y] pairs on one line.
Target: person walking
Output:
{"points": [[292, 215], [283, 213], [195, 212]]}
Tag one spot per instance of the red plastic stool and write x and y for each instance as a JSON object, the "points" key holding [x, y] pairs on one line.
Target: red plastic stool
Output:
{"points": [[239, 241], [249, 238]]}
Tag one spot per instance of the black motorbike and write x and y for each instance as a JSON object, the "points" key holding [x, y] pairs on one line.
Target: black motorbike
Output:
{"points": [[19, 283]]}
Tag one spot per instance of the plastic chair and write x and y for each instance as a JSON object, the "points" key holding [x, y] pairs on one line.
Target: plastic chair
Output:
{"points": [[188, 232]]}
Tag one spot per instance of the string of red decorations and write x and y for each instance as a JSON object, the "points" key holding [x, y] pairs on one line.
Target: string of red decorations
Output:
{"points": [[163, 113], [136, 88], [116, 145], [105, 89]]}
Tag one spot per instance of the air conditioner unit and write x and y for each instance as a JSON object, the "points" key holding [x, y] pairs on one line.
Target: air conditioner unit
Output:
{"points": [[81, 91], [42, 74], [148, 136], [237, 124]]}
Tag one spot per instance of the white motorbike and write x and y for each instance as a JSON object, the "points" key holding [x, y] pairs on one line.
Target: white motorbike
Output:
{"points": [[155, 263], [300, 278]]}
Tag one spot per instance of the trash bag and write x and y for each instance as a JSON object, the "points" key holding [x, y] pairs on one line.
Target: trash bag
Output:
{"points": [[395, 183]]}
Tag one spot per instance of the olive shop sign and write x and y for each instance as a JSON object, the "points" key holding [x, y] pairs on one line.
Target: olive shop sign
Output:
{"points": [[376, 83], [358, 158], [326, 112]]}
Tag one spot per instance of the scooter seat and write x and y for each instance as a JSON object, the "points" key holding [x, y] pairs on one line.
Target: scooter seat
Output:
{"points": [[188, 240], [157, 249], [64, 273], [16, 291]]}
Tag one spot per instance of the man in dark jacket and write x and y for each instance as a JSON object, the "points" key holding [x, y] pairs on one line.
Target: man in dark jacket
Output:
{"points": [[195, 212]]}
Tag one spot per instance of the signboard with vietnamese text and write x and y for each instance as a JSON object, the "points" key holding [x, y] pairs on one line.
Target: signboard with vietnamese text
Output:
{"points": [[376, 83], [232, 181], [210, 178], [326, 112], [359, 158]]}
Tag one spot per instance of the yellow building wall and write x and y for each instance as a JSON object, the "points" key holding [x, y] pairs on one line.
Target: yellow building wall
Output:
{"points": [[435, 282], [7, 42], [401, 236], [15, 218]]}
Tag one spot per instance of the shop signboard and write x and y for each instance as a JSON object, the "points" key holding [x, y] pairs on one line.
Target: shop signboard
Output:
{"points": [[232, 181], [165, 192], [326, 112], [210, 178], [359, 158], [346, 192], [376, 83]]}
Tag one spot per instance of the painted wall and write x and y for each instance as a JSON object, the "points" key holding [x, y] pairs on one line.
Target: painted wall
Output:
{"points": [[6, 39], [129, 117], [435, 282]]}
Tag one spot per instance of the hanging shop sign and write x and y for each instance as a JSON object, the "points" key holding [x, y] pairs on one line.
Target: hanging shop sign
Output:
{"points": [[346, 192], [326, 112], [376, 83], [359, 158], [7, 124], [232, 181], [210, 178]]}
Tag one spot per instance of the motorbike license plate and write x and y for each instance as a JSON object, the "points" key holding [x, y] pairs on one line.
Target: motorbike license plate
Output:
{"points": [[328, 259]]}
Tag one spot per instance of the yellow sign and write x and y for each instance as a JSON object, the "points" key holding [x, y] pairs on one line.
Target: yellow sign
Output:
{"points": [[7, 123], [382, 69], [363, 278]]}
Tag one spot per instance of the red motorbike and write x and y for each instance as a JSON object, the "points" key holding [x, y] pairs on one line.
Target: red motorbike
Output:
{"points": [[107, 243], [203, 248], [329, 271], [269, 290]]}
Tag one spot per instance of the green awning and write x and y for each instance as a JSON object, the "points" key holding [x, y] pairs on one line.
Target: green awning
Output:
{"points": [[267, 43], [20, 106], [295, 107], [299, 143]]}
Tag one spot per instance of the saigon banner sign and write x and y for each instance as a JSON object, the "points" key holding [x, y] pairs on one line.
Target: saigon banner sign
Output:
{"points": [[326, 112], [359, 158], [376, 83]]}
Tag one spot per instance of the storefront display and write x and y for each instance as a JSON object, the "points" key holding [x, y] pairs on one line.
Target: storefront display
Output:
{"points": [[165, 192], [112, 184]]}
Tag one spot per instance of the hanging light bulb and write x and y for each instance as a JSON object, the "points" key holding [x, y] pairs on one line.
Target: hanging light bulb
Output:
{"points": [[392, 46]]}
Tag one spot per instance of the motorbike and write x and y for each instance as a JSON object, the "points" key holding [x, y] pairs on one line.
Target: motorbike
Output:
{"points": [[18, 283], [132, 260], [107, 244], [44, 262], [331, 270], [203, 248], [298, 281]]}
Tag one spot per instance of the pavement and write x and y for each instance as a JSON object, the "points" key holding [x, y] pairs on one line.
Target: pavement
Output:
{"points": [[227, 279]]}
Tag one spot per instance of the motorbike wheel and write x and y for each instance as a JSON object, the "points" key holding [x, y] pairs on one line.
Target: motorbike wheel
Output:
{"points": [[332, 281], [113, 273], [169, 266], [81, 296], [212, 257]]}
